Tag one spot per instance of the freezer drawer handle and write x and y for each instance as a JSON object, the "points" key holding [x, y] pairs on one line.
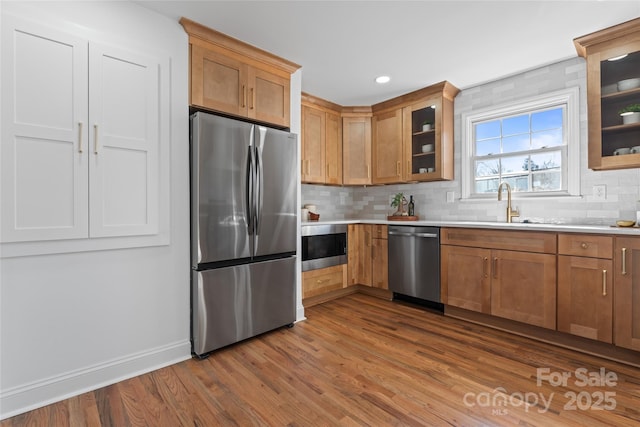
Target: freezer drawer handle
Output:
{"points": [[428, 235]]}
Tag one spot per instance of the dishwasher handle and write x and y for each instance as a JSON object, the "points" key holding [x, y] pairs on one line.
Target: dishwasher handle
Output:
{"points": [[426, 235]]}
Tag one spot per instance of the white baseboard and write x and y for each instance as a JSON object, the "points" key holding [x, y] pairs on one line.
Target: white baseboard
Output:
{"points": [[27, 397], [300, 314]]}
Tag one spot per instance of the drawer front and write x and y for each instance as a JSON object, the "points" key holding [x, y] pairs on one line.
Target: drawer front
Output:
{"points": [[523, 241], [379, 231], [585, 245], [317, 282]]}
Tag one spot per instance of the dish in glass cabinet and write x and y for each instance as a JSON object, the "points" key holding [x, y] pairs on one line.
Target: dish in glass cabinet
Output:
{"points": [[622, 151], [628, 84]]}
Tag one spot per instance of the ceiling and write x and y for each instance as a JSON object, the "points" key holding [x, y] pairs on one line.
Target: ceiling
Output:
{"points": [[343, 45]]}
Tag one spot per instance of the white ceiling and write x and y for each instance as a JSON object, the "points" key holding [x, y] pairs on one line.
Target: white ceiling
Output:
{"points": [[343, 45]]}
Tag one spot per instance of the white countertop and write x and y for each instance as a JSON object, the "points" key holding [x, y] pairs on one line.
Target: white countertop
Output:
{"points": [[566, 228]]}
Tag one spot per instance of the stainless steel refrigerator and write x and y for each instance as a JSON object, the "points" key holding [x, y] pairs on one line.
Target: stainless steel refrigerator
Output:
{"points": [[243, 230]]}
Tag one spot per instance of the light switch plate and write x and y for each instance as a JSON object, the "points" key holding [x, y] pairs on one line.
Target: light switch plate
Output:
{"points": [[600, 192]]}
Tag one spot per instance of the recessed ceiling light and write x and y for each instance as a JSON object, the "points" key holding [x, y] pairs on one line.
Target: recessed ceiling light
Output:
{"points": [[615, 58], [383, 79]]}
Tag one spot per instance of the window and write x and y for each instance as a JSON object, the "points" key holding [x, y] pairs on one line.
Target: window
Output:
{"points": [[532, 145]]}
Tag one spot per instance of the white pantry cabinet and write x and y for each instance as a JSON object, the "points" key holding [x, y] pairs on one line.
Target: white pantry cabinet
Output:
{"points": [[80, 136]]}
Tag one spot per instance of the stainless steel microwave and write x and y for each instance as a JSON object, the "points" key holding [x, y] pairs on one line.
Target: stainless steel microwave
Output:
{"points": [[323, 245]]}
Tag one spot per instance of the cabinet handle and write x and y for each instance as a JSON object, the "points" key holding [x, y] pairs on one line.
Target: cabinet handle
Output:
{"points": [[251, 98], [373, 253], [308, 167], [624, 261], [398, 168], [368, 171], [495, 267], [80, 137], [584, 245], [95, 139], [485, 262], [320, 281], [604, 283], [244, 96]]}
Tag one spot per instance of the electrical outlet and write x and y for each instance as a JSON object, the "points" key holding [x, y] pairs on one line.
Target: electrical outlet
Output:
{"points": [[600, 192], [450, 197]]}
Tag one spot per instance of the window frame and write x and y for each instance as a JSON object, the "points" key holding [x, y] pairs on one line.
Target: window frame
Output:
{"points": [[570, 169]]}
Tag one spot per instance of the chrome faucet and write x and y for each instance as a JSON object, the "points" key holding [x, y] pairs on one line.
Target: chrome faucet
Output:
{"points": [[511, 213]]}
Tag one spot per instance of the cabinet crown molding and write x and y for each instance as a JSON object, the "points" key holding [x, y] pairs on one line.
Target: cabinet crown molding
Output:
{"points": [[199, 31], [312, 100], [357, 111], [591, 41], [444, 89]]}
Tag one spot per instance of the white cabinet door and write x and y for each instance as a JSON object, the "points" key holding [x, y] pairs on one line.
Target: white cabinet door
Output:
{"points": [[124, 133], [81, 135], [43, 152]]}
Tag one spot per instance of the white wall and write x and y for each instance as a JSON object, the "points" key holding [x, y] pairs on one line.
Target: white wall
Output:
{"points": [[73, 322], [295, 127]]}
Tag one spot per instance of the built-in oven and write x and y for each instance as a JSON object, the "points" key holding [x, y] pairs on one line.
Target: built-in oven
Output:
{"points": [[323, 245]]}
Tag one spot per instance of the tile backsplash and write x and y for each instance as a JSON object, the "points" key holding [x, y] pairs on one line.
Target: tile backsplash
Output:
{"points": [[622, 187]]}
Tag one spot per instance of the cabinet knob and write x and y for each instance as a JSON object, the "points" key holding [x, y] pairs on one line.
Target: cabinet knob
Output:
{"points": [[584, 245]]}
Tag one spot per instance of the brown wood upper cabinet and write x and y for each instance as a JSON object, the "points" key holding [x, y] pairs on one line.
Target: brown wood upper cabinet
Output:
{"points": [[413, 136], [356, 146], [382, 144], [613, 83], [230, 76], [387, 154], [321, 141]]}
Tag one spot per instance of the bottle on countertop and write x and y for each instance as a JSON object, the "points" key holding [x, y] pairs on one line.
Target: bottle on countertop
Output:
{"points": [[412, 207]]}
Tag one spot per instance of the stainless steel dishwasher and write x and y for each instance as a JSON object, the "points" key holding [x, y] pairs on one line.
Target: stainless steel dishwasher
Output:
{"points": [[414, 262]]}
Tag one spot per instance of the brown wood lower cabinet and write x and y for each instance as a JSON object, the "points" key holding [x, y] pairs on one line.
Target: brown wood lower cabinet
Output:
{"points": [[367, 255], [523, 287], [585, 286], [479, 273], [519, 286], [627, 292], [585, 297], [465, 278], [317, 282], [380, 262], [359, 255]]}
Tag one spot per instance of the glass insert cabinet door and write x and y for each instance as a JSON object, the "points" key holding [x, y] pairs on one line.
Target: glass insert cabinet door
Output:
{"points": [[620, 104], [423, 139], [613, 95], [428, 136]]}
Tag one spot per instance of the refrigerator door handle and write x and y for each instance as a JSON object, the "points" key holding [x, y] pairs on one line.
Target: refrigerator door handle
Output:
{"points": [[259, 178], [249, 191]]}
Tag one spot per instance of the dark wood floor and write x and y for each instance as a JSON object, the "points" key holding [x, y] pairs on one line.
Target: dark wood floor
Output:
{"points": [[358, 361]]}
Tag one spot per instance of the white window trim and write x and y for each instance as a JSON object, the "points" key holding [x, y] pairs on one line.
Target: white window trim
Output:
{"points": [[570, 97]]}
